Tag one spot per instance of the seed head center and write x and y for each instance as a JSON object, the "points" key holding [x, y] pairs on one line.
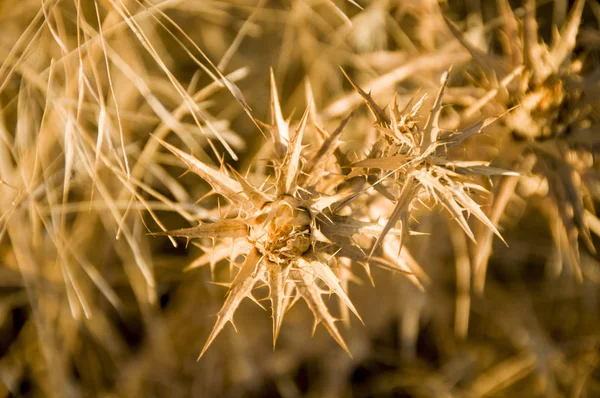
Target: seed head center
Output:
{"points": [[282, 231]]}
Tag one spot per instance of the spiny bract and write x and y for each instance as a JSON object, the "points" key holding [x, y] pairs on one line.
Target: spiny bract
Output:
{"points": [[551, 134], [407, 160], [288, 230]]}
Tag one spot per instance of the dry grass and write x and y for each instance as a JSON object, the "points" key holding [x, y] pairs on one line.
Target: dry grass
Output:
{"points": [[457, 224]]}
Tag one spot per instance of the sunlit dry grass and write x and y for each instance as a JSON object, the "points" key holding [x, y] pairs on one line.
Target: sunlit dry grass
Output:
{"points": [[429, 167]]}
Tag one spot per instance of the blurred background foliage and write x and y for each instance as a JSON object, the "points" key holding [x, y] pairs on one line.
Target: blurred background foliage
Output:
{"points": [[91, 305]]}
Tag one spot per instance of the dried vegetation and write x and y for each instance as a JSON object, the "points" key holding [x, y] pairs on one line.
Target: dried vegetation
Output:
{"points": [[419, 176]]}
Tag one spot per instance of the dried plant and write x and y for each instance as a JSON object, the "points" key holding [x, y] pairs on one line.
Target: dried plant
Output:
{"points": [[408, 160], [290, 231], [549, 133], [287, 229], [304, 209]]}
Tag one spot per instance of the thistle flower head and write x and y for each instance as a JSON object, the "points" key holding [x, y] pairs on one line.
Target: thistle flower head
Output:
{"points": [[286, 231], [407, 161], [550, 132]]}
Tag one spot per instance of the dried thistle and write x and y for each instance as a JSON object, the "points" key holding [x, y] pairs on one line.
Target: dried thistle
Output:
{"points": [[407, 161], [288, 230], [550, 133]]}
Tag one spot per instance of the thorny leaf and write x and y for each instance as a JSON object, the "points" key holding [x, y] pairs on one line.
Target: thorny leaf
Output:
{"points": [[311, 294], [432, 127], [234, 228], [291, 163], [379, 113], [323, 272], [401, 211], [256, 196], [325, 152], [277, 282], [221, 183], [280, 128], [216, 253], [240, 288], [445, 196]]}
